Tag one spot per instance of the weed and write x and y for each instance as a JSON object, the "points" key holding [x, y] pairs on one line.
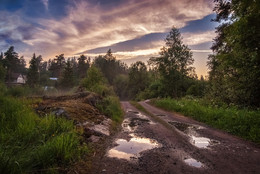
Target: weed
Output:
{"points": [[110, 106], [32, 143], [242, 122]]}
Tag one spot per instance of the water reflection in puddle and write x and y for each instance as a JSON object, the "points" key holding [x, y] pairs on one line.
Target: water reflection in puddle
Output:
{"points": [[200, 142], [132, 148], [191, 131], [192, 162], [132, 111]]}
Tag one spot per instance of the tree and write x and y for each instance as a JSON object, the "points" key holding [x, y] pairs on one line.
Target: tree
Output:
{"points": [[57, 65], [2, 73], [174, 65], [109, 66], [138, 78], [10, 62], [109, 55], [21, 67], [94, 78], [235, 65], [1, 57], [83, 65], [67, 80], [33, 72], [121, 86]]}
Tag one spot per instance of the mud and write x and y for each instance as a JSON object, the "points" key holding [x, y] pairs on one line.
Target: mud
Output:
{"points": [[185, 146], [81, 108]]}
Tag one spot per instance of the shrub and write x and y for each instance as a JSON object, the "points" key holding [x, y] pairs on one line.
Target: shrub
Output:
{"points": [[110, 106], [29, 143]]}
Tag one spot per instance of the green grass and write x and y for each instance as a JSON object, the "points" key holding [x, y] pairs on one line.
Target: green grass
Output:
{"points": [[111, 107], [140, 107], [33, 144], [242, 122]]}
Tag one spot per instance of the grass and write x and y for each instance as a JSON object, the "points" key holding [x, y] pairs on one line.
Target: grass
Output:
{"points": [[33, 144], [242, 122], [111, 107]]}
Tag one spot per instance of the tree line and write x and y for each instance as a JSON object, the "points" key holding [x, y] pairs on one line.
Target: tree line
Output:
{"points": [[235, 63], [234, 76], [168, 75]]}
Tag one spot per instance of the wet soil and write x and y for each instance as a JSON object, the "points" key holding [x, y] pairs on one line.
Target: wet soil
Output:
{"points": [[179, 145], [81, 108]]}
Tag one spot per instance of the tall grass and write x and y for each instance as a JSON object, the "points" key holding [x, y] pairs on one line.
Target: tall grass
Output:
{"points": [[110, 104], [242, 122], [29, 143], [111, 107]]}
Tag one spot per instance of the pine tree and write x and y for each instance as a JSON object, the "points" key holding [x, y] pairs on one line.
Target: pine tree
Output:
{"points": [[11, 62], [33, 72], [67, 80], [174, 65], [83, 65]]}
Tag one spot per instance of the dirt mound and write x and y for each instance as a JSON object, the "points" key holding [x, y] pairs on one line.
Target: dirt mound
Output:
{"points": [[80, 107]]}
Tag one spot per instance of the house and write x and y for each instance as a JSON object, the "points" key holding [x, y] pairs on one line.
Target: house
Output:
{"points": [[21, 79], [17, 79]]}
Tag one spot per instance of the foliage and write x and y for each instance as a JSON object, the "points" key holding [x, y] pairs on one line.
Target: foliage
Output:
{"points": [[241, 122], [109, 66], [67, 80], [33, 71], [138, 78], [57, 65], [96, 82], [33, 144], [234, 67], [83, 66], [198, 88], [121, 86], [174, 65], [2, 73], [111, 107], [12, 63]]}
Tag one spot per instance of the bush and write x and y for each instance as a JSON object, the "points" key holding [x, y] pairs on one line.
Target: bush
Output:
{"points": [[110, 106], [242, 122], [23, 91], [29, 143]]}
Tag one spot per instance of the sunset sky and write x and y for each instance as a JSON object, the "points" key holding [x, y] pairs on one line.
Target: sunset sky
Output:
{"points": [[133, 29]]}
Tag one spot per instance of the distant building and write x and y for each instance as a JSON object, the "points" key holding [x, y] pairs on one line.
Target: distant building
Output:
{"points": [[54, 78], [17, 79]]}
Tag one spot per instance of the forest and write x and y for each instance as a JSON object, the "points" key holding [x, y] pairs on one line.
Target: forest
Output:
{"points": [[228, 98]]}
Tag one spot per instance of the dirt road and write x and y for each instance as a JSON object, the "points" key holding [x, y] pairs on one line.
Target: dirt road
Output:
{"points": [[174, 144]]}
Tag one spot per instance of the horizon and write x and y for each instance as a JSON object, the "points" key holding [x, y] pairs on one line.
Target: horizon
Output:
{"points": [[50, 28]]}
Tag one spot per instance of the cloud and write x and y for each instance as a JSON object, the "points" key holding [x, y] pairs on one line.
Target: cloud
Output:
{"points": [[46, 4], [198, 38], [88, 26]]}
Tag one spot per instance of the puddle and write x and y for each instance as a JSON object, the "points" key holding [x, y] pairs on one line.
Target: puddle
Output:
{"points": [[200, 142], [137, 121], [126, 126], [131, 149], [181, 126], [142, 116], [132, 111], [190, 130], [194, 163]]}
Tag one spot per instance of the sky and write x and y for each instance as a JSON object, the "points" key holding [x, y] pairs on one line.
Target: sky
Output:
{"points": [[133, 29]]}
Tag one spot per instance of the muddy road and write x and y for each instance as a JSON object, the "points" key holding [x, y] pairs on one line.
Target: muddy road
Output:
{"points": [[174, 144]]}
